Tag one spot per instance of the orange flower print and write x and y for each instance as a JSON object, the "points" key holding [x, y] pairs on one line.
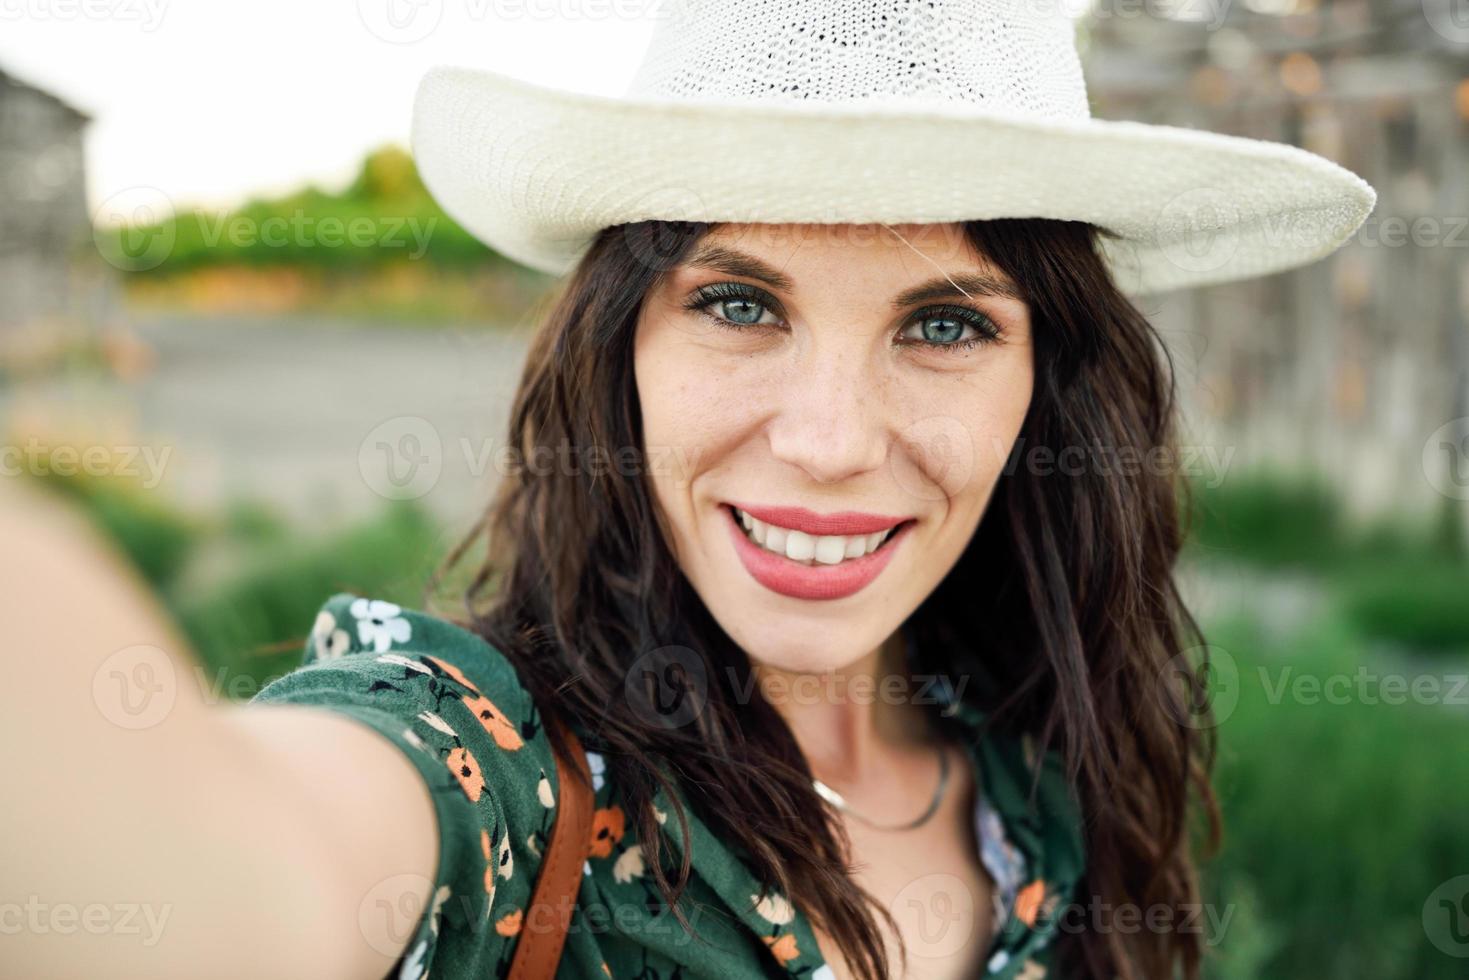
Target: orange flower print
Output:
{"points": [[454, 672], [466, 769], [606, 969], [608, 826], [1028, 902], [509, 923], [784, 947], [495, 722]]}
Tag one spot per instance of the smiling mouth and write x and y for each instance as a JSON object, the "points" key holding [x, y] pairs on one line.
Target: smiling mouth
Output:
{"points": [[811, 549]]}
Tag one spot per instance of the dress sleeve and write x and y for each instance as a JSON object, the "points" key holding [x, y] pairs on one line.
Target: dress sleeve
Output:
{"points": [[452, 705]]}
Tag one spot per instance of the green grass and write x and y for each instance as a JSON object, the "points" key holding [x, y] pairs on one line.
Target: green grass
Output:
{"points": [[156, 538], [253, 625], [1400, 582], [1341, 817], [1422, 605], [1267, 519], [248, 621]]}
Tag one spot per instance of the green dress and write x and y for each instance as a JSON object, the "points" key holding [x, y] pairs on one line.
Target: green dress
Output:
{"points": [[453, 705]]}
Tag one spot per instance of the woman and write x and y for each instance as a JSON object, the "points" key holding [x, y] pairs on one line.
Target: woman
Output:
{"points": [[842, 546]]}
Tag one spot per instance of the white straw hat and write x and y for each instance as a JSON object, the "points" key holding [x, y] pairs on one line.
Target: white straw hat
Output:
{"points": [[858, 111]]}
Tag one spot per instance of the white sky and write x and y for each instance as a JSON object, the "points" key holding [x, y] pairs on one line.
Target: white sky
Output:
{"points": [[212, 101]]}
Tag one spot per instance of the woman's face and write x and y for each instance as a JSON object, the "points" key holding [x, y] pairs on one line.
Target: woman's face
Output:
{"points": [[829, 388]]}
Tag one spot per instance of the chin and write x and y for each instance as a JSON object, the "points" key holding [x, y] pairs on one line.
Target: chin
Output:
{"points": [[803, 641]]}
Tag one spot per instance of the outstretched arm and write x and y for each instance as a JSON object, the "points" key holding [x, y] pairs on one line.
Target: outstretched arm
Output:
{"points": [[149, 833]]}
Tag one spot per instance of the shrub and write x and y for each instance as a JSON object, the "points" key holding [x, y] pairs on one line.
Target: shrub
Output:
{"points": [[255, 623], [1344, 816]]}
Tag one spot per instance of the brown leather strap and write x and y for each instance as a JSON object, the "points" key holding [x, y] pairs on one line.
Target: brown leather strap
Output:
{"points": [[547, 918]]}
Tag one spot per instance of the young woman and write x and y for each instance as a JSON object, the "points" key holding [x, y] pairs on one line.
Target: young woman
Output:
{"points": [[843, 546]]}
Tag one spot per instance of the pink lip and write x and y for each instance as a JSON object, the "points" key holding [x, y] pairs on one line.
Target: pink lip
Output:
{"points": [[850, 522], [789, 578]]}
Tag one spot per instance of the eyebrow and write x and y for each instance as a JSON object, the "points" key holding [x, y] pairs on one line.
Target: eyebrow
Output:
{"points": [[732, 262]]}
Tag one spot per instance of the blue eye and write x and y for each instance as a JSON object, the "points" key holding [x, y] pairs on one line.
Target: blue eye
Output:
{"points": [[732, 304], [951, 328], [948, 328]]}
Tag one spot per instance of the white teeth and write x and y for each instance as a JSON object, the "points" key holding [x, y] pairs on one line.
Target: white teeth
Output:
{"points": [[758, 531], [800, 546], [825, 549], [831, 549]]}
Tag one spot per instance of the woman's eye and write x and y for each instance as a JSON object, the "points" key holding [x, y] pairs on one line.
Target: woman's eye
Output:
{"points": [[733, 305], [739, 305], [956, 328], [742, 311]]}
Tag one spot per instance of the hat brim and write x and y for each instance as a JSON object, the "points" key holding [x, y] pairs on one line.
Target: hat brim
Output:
{"points": [[536, 172]]}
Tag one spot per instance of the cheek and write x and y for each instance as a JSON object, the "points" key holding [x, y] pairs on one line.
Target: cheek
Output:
{"points": [[959, 431], [694, 401], [695, 416]]}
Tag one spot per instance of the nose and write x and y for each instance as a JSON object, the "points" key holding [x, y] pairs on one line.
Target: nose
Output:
{"points": [[829, 417]]}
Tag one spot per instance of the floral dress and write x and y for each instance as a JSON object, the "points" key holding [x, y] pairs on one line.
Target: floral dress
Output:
{"points": [[453, 705]]}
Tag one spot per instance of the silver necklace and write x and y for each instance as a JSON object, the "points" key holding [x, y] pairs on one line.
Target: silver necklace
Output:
{"points": [[837, 800]]}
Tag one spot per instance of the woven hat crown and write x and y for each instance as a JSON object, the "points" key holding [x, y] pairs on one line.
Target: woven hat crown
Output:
{"points": [[1009, 57]]}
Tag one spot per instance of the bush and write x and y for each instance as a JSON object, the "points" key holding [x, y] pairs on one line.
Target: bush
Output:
{"points": [[1344, 816], [158, 540], [1276, 520], [1392, 579], [1418, 604], [254, 625], [1268, 519]]}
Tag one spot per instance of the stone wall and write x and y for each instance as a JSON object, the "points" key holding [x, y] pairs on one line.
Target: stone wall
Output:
{"points": [[44, 224]]}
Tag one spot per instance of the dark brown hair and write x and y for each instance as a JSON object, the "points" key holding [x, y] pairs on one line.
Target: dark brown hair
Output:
{"points": [[1065, 597]]}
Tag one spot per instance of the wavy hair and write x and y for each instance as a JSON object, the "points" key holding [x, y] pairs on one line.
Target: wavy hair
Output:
{"points": [[1065, 597]]}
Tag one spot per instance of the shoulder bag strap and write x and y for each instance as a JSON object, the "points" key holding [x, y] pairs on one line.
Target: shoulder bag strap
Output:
{"points": [[547, 918]]}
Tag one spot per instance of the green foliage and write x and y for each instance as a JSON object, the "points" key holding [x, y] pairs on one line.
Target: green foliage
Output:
{"points": [[155, 538], [1247, 939], [250, 622], [1345, 814], [1268, 519], [255, 623], [1297, 520], [1393, 580], [385, 216], [1422, 604]]}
